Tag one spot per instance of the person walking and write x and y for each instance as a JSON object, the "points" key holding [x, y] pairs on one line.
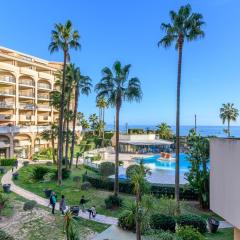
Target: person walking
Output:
{"points": [[53, 200], [62, 205], [82, 203]]}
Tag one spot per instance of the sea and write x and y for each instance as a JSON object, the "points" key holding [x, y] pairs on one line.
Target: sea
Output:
{"points": [[217, 131]]}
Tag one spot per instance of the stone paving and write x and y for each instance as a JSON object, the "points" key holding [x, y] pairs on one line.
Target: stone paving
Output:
{"points": [[7, 178]]}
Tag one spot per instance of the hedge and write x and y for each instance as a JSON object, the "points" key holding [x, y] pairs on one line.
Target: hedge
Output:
{"points": [[8, 162], [158, 190]]}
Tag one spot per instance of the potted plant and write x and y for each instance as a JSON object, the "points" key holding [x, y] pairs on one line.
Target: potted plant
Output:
{"points": [[48, 192], [2, 170], [15, 176], [6, 188], [213, 225], [75, 210]]}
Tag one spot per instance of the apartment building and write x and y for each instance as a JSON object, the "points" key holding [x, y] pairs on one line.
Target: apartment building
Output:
{"points": [[25, 111]]}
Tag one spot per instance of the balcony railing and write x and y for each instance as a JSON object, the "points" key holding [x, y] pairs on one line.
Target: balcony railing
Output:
{"points": [[44, 86], [26, 117], [26, 94], [46, 97], [26, 82], [6, 105], [27, 106], [44, 118], [7, 79], [7, 92], [47, 107]]}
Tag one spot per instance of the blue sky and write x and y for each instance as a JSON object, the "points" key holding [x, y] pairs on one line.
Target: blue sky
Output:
{"points": [[129, 31]]}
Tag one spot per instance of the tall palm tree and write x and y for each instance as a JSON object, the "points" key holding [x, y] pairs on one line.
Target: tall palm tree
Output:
{"points": [[84, 123], [51, 135], [228, 113], [64, 38], [102, 105], [82, 87], [185, 26], [116, 87], [93, 119], [164, 131]]}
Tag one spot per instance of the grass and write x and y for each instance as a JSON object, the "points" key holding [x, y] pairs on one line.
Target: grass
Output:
{"points": [[223, 234]]}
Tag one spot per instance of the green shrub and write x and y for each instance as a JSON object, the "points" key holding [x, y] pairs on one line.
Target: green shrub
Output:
{"points": [[161, 236], [158, 190], [2, 170], [25, 163], [131, 169], [113, 201], [194, 221], [4, 199], [49, 163], [162, 222], [49, 176], [5, 236], [126, 221], [86, 186], [66, 173], [106, 169], [38, 172], [29, 205], [8, 162], [189, 233]]}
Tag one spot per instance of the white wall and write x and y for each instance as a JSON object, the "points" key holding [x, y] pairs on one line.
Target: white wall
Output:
{"points": [[225, 179]]}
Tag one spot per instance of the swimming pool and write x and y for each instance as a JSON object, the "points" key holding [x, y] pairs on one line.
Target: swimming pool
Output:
{"points": [[154, 163]]}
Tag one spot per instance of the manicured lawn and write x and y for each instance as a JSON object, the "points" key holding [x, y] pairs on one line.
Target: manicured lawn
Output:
{"points": [[226, 234], [96, 197]]}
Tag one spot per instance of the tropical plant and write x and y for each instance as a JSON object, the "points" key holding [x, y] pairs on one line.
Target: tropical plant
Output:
{"points": [[189, 233], [82, 87], [102, 105], [63, 38], [51, 135], [228, 113], [84, 123], [164, 131], [140, 187], [93, 119], [185, 25], [198, 174], [70, 226], [116, 87]]}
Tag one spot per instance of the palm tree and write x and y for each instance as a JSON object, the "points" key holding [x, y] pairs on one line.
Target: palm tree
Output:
{"points": [[63, 38], [228, 113], [102, 104], [84, 123], [116, 87], [82, 86], [184, 25], [164, 131], [93, 119], [51, 135]]}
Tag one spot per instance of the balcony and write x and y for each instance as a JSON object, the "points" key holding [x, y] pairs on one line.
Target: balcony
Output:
{"points": [[6, 117], [4, 143], [46, 76], [27, 118], [27, 106], [7, 79], [44, 108], [44, 119], [43, 97], [6, 105], [44, 86], [26, 94], [26, 82], [28, 71], [7, 67], [7, 92]]}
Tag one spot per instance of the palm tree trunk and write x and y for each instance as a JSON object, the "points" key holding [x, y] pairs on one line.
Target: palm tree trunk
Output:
{"points": [[103, 133], [116, 182], [60, 138], [67, 132], [229, 134], [138, 224], [53, 149], [74, 123], [177, 197]]}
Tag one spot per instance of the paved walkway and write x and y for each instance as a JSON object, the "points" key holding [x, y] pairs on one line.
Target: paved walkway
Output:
{"points": [[7, 178]]}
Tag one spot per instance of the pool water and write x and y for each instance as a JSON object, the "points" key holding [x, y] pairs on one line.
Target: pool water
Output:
{"points": [[154, 163]]}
